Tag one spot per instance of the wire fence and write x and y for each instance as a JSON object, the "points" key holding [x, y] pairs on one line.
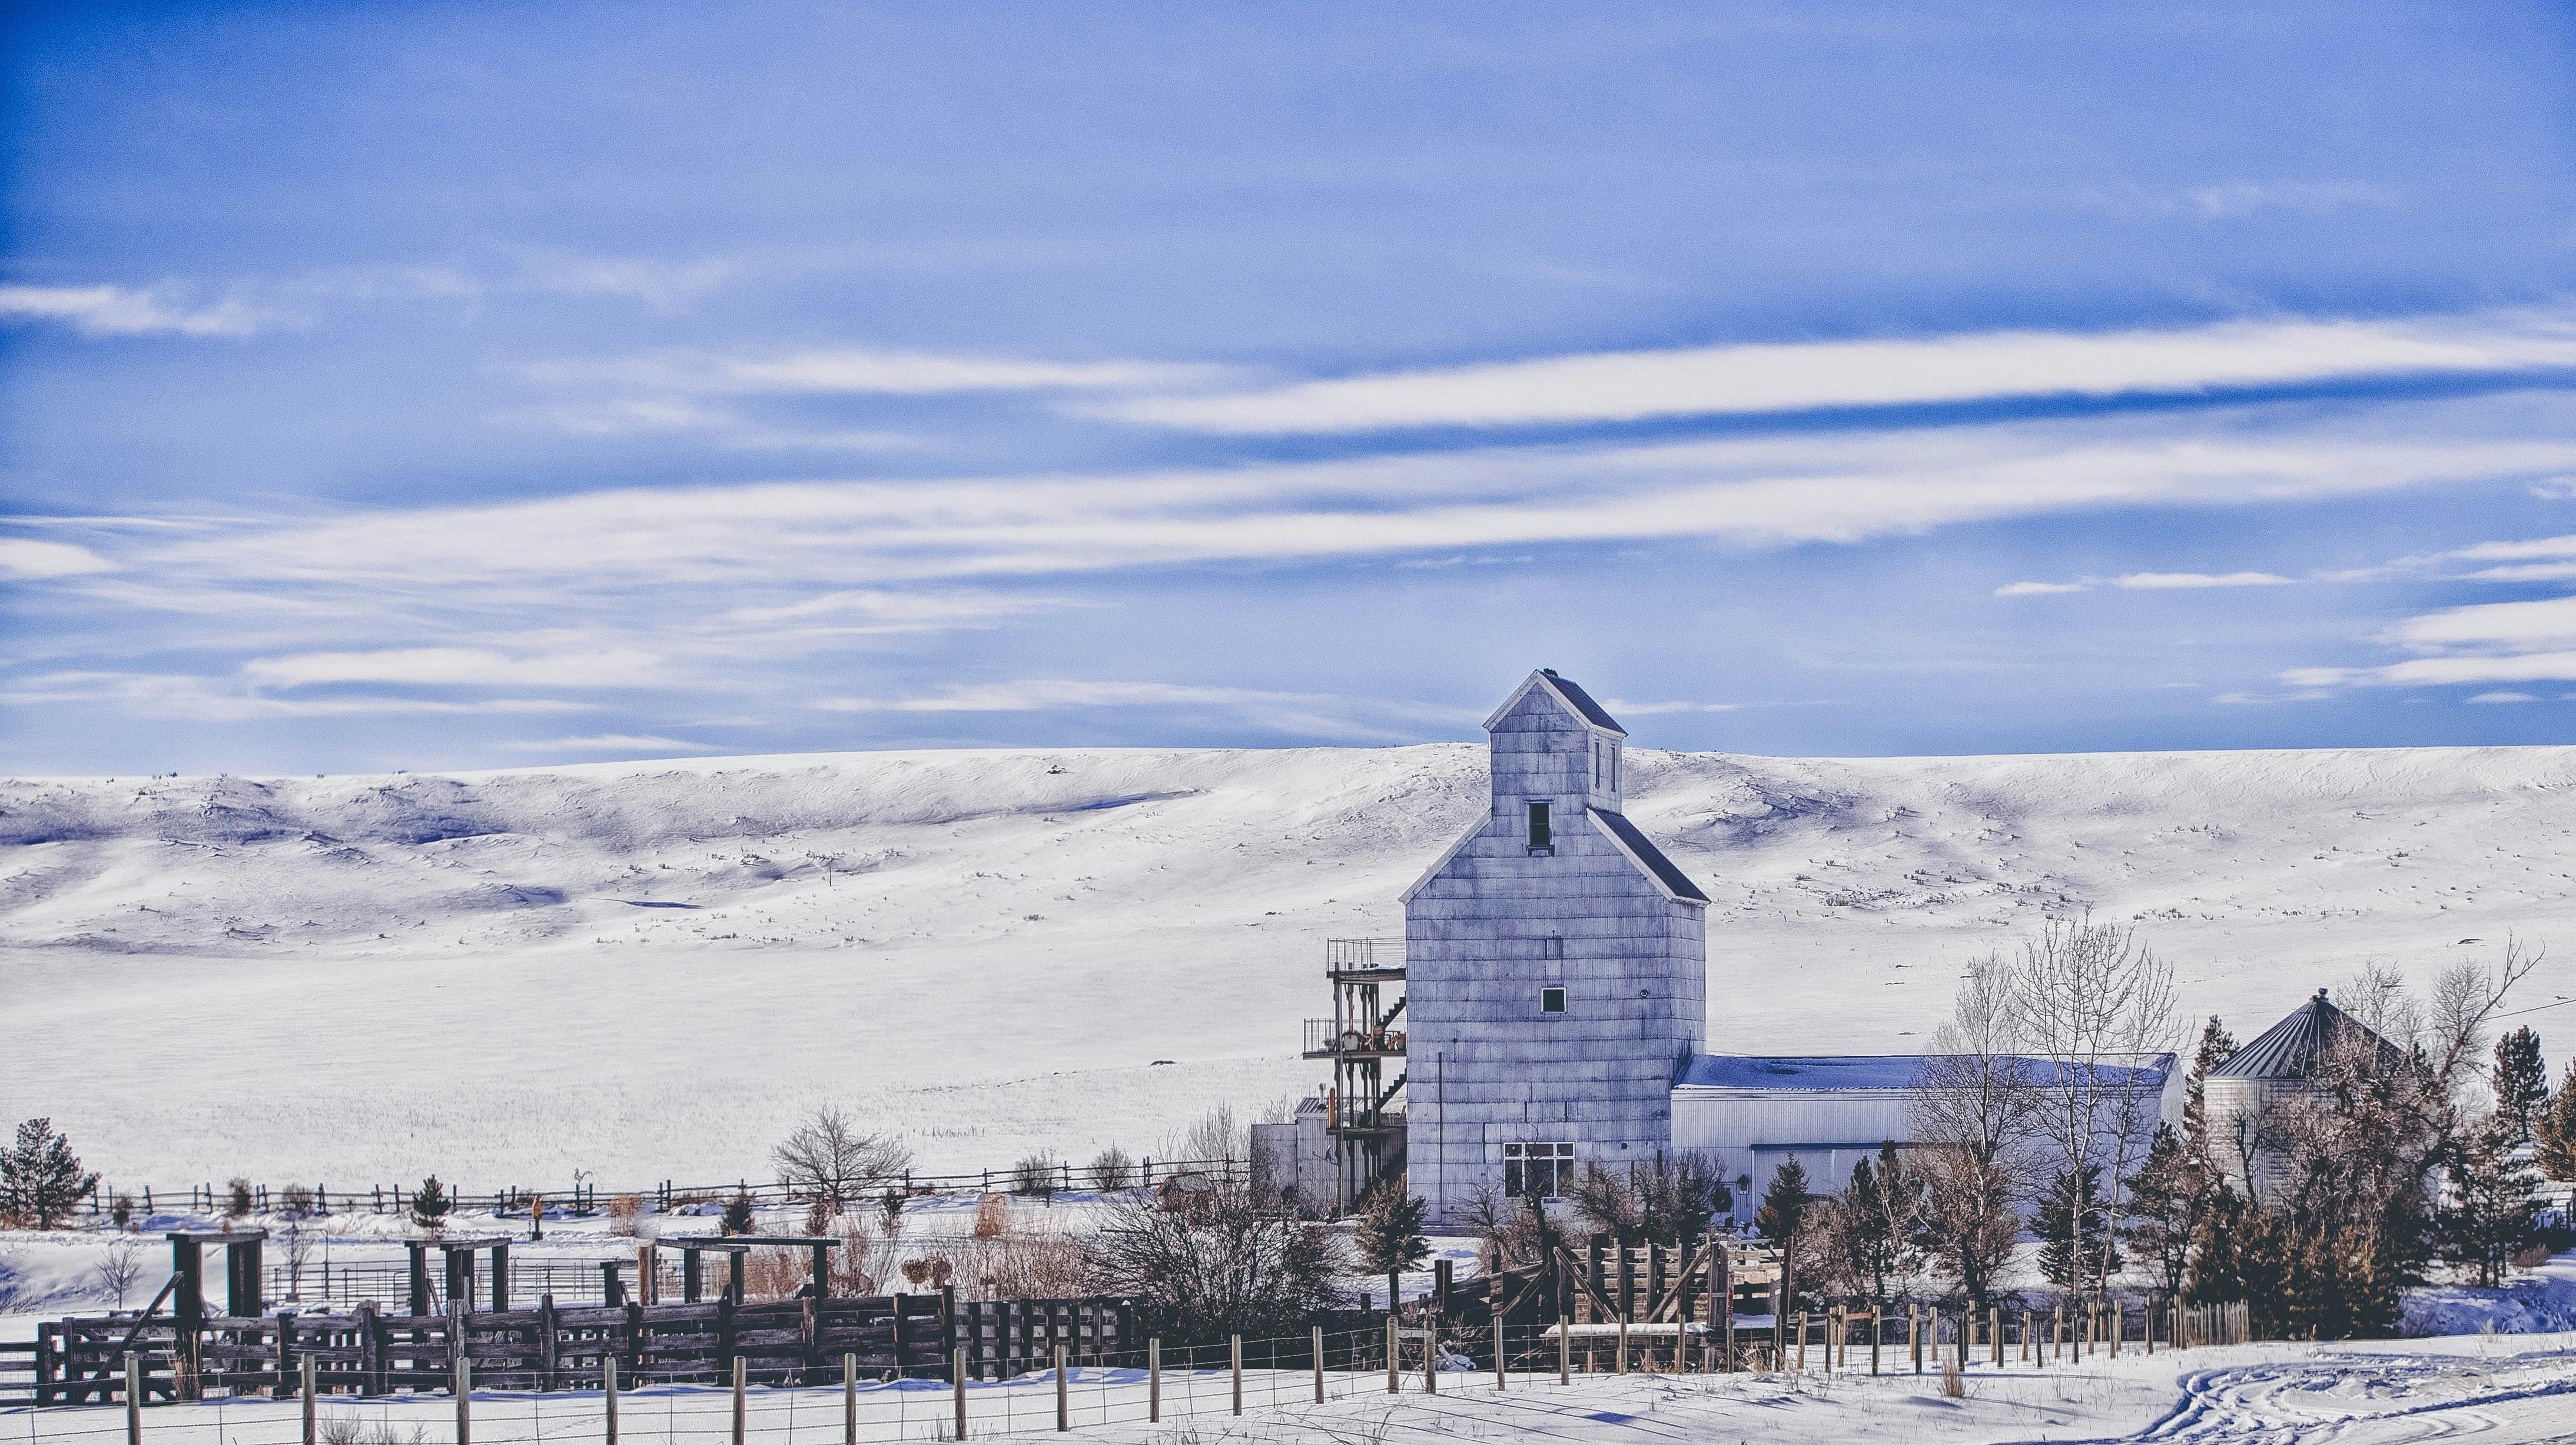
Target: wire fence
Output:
{"points": [[1041, 1175], [1156, 1382]]}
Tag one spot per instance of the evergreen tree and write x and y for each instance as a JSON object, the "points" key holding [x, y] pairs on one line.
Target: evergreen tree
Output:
{"points": [[738, 1217], [2217, 1273], [2074, 1229], [2521, 1084], [1876, 1220], [1388, 1234], [2554, 1138], [41, 1179], [2216, 1044], [2166, 1198], [1783, 1215], [2489, 1215], [430, 1204]]}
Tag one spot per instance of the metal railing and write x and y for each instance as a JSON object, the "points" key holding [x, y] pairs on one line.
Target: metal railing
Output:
{"points": [[1347, 954], [1323, 1038]]}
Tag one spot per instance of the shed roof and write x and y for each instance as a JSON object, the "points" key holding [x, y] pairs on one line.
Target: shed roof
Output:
{"points": [[1642, 851], [1567, 691], [1827, 1073], [2289, 1049]]}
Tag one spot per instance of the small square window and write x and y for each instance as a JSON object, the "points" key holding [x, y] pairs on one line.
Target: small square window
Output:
{"points": [[1551, 1000]]}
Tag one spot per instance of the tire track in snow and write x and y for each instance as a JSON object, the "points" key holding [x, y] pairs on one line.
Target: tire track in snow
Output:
{"points": [[2351, 1399]]}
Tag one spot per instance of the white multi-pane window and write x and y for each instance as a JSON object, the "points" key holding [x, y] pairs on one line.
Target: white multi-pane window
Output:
{"points": [[1544, 1170]]}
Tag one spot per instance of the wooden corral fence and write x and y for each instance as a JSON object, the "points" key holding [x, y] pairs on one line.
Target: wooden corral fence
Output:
{"points": [[367, 1352], [189, 1348]]}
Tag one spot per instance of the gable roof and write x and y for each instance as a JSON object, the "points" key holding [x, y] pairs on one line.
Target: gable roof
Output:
{"points": [[1676, 884], [2289, 1049], [1564, 690]]}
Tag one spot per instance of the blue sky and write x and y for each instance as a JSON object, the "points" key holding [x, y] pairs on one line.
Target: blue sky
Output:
{"points": [[455, 386]]}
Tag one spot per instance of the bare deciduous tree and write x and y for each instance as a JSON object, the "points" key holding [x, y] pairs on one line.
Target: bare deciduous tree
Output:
{"points": [[828, 1157], [1975, 1112], [2096, 1003], [121, 1267]]}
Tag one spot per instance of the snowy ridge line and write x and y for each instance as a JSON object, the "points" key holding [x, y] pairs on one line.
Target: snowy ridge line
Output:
{"points": [[962, 949], [514, 1202]]}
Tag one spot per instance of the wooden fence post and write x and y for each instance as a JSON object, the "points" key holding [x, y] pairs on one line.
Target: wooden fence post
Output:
{"points": [[1064, 1402], [1234, 1357], [464, 1387], [1499, 1385], [1394, 1361], [608, 1393], [133, 1398], [1154, 1380], [1877, 1326], [740, 1371], [1995, 1333], [850, 1397], [312, 1430], [1318, 1343], [957, 1373], [1564, 1350], [1802, 1342]]}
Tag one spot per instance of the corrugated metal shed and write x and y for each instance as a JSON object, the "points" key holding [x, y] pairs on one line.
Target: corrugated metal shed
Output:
{"points": [[2289, 1049], [1841, 1072]]}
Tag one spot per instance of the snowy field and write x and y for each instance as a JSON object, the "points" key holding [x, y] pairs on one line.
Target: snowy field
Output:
{"points": [[643, 969], [2518, 1392]]}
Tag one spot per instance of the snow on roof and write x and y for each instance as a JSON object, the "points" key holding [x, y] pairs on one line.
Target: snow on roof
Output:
{"points": [[1820, 1073]]}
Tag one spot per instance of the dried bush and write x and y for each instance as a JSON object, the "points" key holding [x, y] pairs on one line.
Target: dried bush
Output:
{"points": [[1226, 1266], [775, 1274], [929, 1271], [1039, 1174], [295, 1200], [1111, 1170], [1039, 1263], [865, 1261], [992, 1215], [237, 1200], [622, 1209]]}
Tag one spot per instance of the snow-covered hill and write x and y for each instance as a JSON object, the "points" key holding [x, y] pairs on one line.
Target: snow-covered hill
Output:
{"points": [[642, 968]]}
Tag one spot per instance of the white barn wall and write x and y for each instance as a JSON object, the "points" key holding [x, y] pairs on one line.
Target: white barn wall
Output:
{"points": [[1485, 1066]]}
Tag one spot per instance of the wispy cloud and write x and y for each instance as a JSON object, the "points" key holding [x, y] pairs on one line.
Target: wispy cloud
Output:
{"points": [[2148, 582], [206, 699], [1303, 714], [1746, 379], [464, 667], [1651, 709], [2504, 697], [1042, 695], [130, 311], [612, 743], [2495, 642], [25, 557], [856, 371]]}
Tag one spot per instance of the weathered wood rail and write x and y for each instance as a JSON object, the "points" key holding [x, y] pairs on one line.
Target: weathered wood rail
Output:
{"points": [[368, 1352]]}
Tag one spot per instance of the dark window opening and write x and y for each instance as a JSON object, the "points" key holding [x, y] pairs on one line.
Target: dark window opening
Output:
{"points": [[1551, 1000], [1543, 1170], [1539, 835]]}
